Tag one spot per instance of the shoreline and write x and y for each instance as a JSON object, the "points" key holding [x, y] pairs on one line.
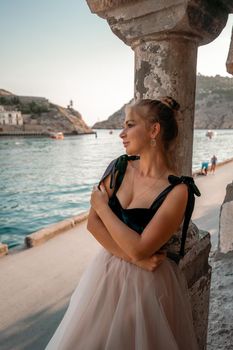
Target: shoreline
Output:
{"points": [[40, 134], [44, 234]]}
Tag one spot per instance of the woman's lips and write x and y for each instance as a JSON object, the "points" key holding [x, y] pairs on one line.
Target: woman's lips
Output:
{"points": [[125, 144]]}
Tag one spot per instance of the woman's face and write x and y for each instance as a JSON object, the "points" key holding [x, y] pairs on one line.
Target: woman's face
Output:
{"points": [[136, 135]]}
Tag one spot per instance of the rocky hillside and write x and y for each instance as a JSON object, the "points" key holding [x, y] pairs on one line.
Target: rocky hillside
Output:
{"points": [[115, 121], [214, 103], [213, 110], [5, 93], [41, 116]]}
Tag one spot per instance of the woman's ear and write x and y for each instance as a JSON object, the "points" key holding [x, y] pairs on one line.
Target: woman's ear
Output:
{"points": [[155, 130]]}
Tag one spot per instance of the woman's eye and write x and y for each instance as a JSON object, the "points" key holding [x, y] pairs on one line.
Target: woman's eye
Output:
{"points": [[127, 126]]}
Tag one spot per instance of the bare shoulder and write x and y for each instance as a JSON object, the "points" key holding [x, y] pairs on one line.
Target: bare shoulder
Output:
{"points": [[180, 190], [177, 197]]}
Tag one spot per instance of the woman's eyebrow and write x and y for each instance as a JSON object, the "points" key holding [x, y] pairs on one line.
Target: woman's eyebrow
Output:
{"points": [[128, 121]]}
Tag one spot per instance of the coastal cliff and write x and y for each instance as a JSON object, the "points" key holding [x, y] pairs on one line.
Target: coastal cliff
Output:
{"points": [[214, 103], [41, 116], [115, 121], [213, 106]]}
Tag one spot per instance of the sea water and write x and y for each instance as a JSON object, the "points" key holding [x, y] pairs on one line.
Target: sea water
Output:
{"points": [[43, 181]]}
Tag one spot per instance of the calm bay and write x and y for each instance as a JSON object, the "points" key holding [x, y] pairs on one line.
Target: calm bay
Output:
{"points": [[43, 181]]}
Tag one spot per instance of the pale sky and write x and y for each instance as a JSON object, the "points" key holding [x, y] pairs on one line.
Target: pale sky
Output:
{"points": [[59, 50]]}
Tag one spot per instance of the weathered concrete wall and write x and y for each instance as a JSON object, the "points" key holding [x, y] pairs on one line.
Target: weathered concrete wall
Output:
{"points": [[226, 222]]}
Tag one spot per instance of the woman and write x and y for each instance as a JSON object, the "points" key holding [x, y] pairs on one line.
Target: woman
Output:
{"points": [[213, 164], [132, 296]]}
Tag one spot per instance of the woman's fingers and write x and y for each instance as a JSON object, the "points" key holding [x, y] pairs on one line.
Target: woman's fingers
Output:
{"points": [[158, 257], [157, 260]]}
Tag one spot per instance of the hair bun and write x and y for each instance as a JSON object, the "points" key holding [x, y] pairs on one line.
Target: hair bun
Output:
{"points": [[170, 102]]}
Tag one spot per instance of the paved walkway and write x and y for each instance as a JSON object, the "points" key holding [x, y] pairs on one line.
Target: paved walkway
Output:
{"points": [[35, 287], [213, 190], [36, 284]]}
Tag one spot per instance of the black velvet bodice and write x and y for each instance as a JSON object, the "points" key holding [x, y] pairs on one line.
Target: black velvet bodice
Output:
{"points": [[137, 218]]}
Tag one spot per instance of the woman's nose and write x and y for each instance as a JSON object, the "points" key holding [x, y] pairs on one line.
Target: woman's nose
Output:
{"points": [[122, 133]]}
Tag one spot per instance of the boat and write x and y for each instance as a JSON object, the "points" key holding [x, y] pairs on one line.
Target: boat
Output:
{"points": [[56, 135], [210, 134]]}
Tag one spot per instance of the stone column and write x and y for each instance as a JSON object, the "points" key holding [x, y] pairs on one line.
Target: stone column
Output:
{"points": [[163, 66]]}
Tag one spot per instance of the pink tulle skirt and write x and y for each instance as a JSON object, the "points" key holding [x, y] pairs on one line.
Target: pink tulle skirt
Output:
{"points": [[119, 306]]}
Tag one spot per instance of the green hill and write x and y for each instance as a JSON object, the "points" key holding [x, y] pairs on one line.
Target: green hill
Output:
{"points": [[214, 102], [213, 106], [42, 116]]}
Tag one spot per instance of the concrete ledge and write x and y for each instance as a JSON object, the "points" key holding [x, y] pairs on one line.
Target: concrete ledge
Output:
{"points": [[224, 162], [3, 249], [81, 217], [53, 230]]}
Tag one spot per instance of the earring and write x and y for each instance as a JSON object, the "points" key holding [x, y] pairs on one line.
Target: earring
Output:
{"points": [[153, 142]]}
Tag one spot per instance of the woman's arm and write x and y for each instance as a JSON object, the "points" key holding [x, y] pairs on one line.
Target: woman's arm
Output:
{"points": [[96, 227], [159, 230], [99, 231]]}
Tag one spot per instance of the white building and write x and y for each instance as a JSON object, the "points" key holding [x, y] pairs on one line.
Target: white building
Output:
{"points": [[10, 117]]}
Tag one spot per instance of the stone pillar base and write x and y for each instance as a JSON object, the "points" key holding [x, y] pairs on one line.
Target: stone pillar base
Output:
{"points": [[197, 271]]}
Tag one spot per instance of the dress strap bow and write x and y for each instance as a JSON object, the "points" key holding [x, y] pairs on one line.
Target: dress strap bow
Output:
{"points": [[118, 165], [188, 180], [192, 190]]}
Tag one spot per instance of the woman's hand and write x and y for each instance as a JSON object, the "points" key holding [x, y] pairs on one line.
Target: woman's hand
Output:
{"points": [[151, 264], [99, 198]]}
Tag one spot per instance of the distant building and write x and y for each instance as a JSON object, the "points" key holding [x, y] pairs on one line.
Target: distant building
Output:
{"points": [[10, 117]]}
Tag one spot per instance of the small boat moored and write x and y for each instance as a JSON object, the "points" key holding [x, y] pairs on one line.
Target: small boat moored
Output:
{"points": [[56, 135], [210, 134]]}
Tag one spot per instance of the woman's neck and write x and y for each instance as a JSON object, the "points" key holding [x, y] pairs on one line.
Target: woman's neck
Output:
{"points": [[153, 164]]}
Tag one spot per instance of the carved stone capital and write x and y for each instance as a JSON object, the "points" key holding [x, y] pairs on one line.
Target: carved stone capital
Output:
{"points": [[134, 21], [101, 6]]}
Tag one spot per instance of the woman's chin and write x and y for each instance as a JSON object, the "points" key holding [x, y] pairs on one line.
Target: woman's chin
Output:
{"points": [[130, 152]]}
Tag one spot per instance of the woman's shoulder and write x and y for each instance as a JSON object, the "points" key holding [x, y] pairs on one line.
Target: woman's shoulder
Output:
{"points": [[187, 180], [113, 165], [118, 164]]}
